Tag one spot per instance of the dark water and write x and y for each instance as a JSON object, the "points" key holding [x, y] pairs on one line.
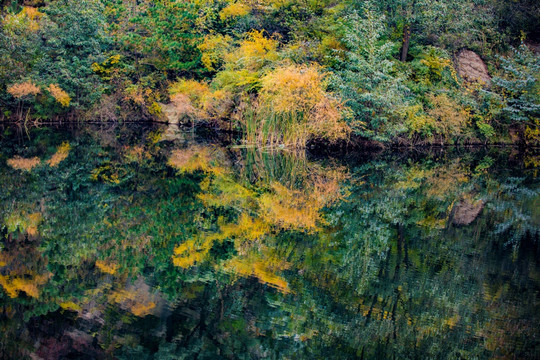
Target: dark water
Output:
{"points": [[134, 242]]}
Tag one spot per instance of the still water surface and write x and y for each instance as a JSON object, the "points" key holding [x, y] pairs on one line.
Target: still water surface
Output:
{"points": [[134, 242]]}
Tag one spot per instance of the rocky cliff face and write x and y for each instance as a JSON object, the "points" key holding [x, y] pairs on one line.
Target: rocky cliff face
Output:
{"points": [[472, 68]]}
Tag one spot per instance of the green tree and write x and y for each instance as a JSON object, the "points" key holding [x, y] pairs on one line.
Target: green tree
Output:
{"points": [[366, 79]]}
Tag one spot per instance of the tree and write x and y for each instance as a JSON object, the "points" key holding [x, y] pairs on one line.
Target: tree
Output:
{"points": [[366, 79], [520, 86]]}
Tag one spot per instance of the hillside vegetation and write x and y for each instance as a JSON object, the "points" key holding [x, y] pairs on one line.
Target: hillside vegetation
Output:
{"points": [[281, 72]]}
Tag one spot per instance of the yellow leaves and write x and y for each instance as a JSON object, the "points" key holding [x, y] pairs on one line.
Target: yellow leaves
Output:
{"points": [[257, 46], [189, 253], [450, 117], [213, 49], [290, 209], [452, 321], [196, 91], [298, 93], [114, 59], [260, 213], [13, 285], [233, 10], [106, 68], [59, 95], [532, 131], [416, 120], [32, 13], [247, 228], [265, 273], [142, 309], [70, 305], [61, 154], [26, 20], [106, 173], [293, 88], [253, 52], [26, 164], [436, 64], [155, 109], [23, 89], [195, 158], [107, 267], [137, 301]]}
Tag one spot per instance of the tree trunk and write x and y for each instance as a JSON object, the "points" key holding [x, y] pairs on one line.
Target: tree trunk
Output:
{"points": [[406, 39]]}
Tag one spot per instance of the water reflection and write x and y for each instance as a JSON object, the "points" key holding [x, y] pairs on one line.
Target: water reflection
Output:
{"points": [[127, 242]]}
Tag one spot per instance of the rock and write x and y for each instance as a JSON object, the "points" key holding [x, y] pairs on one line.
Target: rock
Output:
{"points": [[170, 113], [472, 68], [465, 211], [534, 47]]}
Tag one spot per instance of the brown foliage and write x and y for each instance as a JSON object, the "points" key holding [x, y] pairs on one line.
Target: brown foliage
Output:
{"points": [[23, 89], [20, 163]]}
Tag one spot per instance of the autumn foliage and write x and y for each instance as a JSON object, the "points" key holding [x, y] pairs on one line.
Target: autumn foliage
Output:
{"points": [[26, 88]]}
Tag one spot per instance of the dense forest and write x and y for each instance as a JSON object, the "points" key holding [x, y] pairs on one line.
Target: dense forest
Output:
{"points": [[281, 72]]}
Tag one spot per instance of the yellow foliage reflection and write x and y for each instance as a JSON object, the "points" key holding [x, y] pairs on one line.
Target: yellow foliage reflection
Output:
{"points": [[265, 203], [20, 163], [61, 154], [20, 273]]}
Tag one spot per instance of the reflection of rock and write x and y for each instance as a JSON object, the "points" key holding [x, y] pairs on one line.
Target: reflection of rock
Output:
{"points": [[173, 133], [170, 113], [465, 211], [471, 67], [138, 298]]}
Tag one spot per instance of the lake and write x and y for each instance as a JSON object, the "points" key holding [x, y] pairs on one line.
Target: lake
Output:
{"points": [[147, 242]]}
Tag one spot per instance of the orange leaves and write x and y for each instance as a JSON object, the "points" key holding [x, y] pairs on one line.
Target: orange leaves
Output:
{"points": [[295, 99], [27, 88], [293, 88], [136, 299], [26, 164], [23, 89], [195, 158], [197, 101]]}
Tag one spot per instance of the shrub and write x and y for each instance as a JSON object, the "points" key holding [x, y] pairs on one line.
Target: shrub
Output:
{"points": [[59, 95], [21, 90], [520, 85], [450, 118], [294, 106]]}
